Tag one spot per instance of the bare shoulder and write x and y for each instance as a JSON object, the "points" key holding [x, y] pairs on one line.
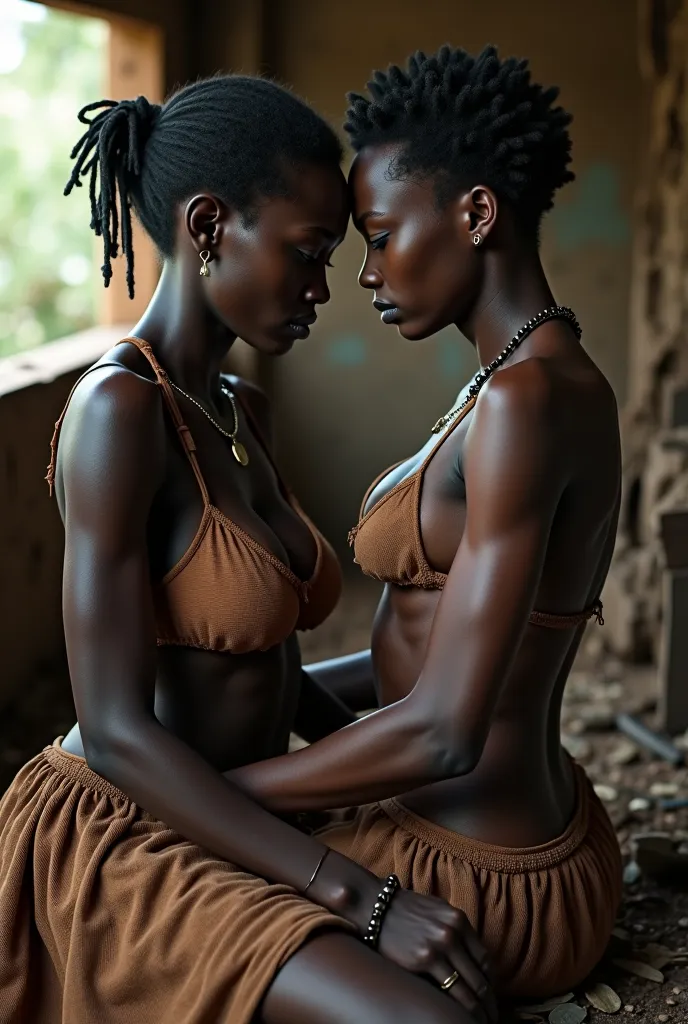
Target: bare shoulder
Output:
{"points": [[523, 393], [113, 435]]}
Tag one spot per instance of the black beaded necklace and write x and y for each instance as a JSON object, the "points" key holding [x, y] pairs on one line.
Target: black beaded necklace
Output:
{"points": [[484, 374]]}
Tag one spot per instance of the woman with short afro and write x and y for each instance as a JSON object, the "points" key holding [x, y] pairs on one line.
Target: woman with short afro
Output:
{"points": [[493, 541]]}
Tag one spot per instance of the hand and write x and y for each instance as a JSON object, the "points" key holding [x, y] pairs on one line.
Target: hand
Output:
{"points": [[422, 934], [425, 935]]}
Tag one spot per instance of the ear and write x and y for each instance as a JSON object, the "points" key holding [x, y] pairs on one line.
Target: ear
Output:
{"points": [[204, 220], [478, 211]]}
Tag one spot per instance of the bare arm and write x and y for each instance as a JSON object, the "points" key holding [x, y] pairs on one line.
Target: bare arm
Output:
{"points": [[514, 481], [111, 465], [109, 477]]}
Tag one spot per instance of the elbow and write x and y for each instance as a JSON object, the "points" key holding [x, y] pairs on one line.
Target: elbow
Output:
{"points": [[108, 753], [451, 751], [455, 758]]}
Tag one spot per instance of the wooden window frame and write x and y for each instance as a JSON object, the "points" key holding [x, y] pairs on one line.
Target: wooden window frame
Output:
{"points": [[136, 67]]}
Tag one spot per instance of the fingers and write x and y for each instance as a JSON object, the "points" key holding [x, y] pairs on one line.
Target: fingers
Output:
{"points": [[475, 947], [441, 972], [475, 979]]}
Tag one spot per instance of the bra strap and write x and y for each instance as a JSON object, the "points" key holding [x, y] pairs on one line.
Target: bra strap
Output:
{"points": [[567, 621], [183, 431], [50, 475]]}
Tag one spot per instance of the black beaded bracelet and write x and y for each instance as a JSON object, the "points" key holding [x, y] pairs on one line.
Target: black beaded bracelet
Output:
{"points": [[372, 933]]}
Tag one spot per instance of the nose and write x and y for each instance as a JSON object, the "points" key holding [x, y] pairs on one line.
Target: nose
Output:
{"points": [[369, 277], [317, 291]]}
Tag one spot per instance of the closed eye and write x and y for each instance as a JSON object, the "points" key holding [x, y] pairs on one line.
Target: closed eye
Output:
{"points": [[380, 242], [311, 257]]}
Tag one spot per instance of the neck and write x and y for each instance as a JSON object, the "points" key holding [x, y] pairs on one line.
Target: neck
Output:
{"points": [[513, 291], [186, 337]]}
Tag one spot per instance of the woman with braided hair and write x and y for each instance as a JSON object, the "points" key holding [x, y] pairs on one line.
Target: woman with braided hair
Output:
{"points": [[138, 884], [493, 542]]}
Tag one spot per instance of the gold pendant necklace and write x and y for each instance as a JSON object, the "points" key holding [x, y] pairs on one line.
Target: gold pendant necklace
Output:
{"points": [[238, 450]]}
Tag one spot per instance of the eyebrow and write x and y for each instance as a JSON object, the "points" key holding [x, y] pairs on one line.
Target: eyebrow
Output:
{"points": [[330, 235], [368, 214]]}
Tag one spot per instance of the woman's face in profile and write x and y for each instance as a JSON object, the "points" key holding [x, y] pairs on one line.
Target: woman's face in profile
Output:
{"points": [[419, 254], [269, 272]]}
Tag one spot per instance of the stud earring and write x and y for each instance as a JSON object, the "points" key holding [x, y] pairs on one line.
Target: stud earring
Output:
{"points": [[205, 256], [477, 240]]}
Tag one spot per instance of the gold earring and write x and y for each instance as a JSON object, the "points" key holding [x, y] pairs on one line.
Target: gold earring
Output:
{"points": [[205, 256], [477, 240]]}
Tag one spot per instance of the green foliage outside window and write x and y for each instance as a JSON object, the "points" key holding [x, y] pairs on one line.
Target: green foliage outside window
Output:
{"points": [[51, 64]]}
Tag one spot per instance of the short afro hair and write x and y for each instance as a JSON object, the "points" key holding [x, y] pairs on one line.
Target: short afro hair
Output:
{"points": [[234, 135], [469, 120]]}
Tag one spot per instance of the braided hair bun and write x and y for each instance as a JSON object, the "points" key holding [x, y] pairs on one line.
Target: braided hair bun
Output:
{"points": [[114, 144], [235, 136]]}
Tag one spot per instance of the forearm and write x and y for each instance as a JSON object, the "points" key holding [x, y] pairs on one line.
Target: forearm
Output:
{"points": [[350, 678], [169, 779], [387, 753]]}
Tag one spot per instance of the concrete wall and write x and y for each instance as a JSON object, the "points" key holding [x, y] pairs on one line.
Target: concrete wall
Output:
{"points": [[356, 397]]}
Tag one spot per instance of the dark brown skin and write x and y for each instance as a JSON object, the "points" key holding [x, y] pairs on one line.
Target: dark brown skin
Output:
{"points": [[519, 507], [164, 724]]}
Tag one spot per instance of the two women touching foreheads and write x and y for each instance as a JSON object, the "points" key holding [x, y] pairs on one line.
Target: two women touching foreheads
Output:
{"points": [[156, 864]]}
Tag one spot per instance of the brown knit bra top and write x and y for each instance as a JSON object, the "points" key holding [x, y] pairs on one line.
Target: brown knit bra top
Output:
{"points": [[388, 545], [229, 593]]}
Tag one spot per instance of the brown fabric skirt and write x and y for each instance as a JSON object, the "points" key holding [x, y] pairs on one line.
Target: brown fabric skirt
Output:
{"points": [[545, 913], [107, 916]]}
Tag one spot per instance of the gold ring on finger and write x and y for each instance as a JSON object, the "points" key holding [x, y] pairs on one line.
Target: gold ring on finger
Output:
{"points": [[451, 980]]}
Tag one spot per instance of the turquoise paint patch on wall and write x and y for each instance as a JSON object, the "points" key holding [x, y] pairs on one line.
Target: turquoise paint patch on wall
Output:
{"points": [[595, 213], [347, 350], [454, 356], [449, 361]]}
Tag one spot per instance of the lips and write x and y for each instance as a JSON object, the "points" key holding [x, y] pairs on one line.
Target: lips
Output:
{"points": [[304, 321], [298, 326], [390, 313]]}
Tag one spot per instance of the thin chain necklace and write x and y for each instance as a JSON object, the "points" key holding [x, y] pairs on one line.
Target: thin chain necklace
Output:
{"points": [[238, 450], [483, 375]]}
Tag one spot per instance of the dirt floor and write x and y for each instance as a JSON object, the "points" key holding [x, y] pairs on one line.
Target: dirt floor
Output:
{"points": [[645, 972]]}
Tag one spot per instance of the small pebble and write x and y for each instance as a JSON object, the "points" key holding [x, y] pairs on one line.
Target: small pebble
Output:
{"points": [[629, 1009], [683, 922], [631, 873], [577, 747], [597, 717], [663, 789], [663, 1017], [639, 803], [676, 990], [639, 928], [607, 794], [624, 753], [671, 1002]]}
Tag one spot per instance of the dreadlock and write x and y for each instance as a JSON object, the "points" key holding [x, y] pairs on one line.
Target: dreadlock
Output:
{"points": [[235, 136], [466, 120]]}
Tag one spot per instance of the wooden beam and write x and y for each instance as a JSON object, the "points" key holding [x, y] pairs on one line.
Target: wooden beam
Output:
{"points": [[673, 654]]}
